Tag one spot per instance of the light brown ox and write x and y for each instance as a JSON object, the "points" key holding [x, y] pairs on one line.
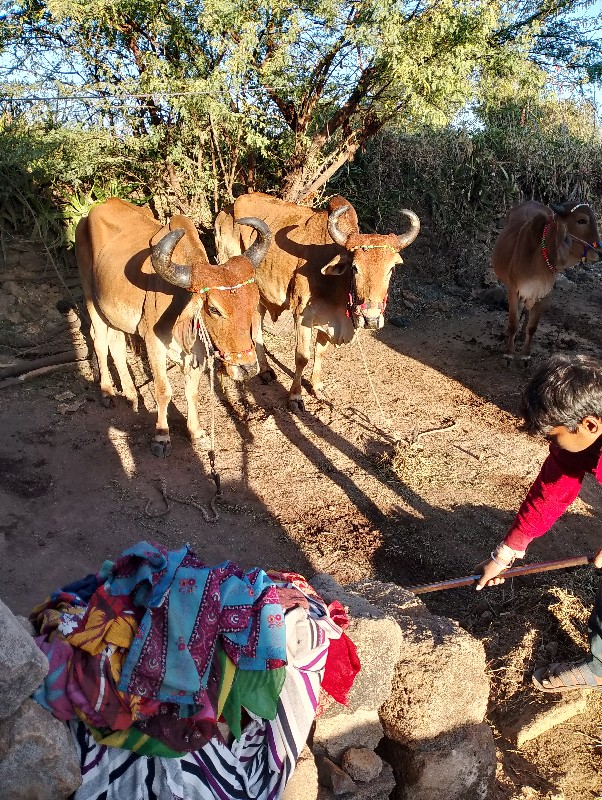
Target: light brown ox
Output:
{"points": [[537, 243], [332, 278], [132, 285]]}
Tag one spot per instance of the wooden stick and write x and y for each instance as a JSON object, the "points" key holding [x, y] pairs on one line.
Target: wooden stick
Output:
{"points": [[513, 572], [32, 365], [38, 373]]}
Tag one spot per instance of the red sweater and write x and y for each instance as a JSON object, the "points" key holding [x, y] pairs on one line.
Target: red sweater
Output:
{"points": [[557, 485]]}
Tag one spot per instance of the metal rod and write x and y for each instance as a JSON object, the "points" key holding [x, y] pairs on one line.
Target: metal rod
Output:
{"points": [[513, 572]]}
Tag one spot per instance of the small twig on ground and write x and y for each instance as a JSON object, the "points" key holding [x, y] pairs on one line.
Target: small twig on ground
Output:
{"points": [[415, 437]]}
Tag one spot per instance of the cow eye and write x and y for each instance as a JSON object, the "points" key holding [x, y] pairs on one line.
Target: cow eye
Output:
{"points": [[215, 312], [582, 221]]}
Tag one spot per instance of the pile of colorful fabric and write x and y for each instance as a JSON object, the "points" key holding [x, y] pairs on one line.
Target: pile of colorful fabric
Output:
{"points": [[183, 681]]}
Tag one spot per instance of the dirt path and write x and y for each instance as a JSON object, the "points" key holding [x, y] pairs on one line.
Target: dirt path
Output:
{"points": [[337, 489]]}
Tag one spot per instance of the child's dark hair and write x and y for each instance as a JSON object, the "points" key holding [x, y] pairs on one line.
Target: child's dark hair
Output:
{"points": [[564, 390]]}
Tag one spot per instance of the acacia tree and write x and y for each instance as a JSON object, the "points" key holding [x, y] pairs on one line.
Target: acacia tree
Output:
{"points": [[280, 90]]}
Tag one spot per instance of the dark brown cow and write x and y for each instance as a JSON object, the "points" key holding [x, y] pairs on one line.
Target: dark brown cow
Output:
{"points": [[333, 278], [132, 285], [537, 243]]}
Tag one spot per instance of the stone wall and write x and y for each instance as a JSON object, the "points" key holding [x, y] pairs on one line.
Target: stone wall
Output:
{"points": [[419, 701], [37, 757], [413, 730]]}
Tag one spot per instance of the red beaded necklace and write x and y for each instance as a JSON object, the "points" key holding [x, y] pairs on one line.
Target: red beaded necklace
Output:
{"points": [[544, 249]]}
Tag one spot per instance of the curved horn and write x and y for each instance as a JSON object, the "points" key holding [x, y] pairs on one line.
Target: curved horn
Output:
{"points": [[258, 250], [333, 226], [408, 237], [178, 274]]}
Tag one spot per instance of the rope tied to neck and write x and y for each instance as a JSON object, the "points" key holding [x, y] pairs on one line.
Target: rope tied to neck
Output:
{"points": [[373, 247], [209, 349], [224, 288]]}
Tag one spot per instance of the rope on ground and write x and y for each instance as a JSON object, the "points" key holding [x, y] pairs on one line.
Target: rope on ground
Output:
{"points": [[210, 512], [386, 422]]}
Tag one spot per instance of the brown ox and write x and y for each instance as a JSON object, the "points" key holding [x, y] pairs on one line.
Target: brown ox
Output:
{"points": [[332, 278], [132, 285], [537, 243]]}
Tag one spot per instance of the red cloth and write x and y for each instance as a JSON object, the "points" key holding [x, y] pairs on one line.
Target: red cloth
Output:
{"points": [[342, 662], [555, 488]]}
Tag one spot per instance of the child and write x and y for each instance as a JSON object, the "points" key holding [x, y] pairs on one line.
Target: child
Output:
{"points": [[563, 401]]}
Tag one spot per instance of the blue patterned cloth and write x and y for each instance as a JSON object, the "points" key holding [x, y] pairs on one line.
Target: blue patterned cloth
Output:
{"points": [[189, 607]]}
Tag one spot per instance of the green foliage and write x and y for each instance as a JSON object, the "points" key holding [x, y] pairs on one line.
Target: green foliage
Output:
{"points": [[183, 105], [279, 94]]}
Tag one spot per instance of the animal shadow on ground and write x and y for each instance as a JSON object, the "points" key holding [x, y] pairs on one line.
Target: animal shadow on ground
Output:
{"points": [[80, 484]]}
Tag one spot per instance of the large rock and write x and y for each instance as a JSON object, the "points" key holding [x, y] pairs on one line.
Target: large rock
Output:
{"points": [[37, 757], [378, 640], [458, 766], [334, 735], [440, 682], [24, 666], [333, 777], [378, 789], [362, 764], [303, 783]]}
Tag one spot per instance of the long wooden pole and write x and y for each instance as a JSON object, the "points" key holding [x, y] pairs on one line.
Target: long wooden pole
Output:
{"points": [[513, 572]]}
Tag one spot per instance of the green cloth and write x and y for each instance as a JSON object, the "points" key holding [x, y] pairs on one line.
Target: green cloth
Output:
{"points": [[256, 691]]}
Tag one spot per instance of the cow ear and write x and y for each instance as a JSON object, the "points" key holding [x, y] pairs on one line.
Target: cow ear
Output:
{"points": [[398, 259], [560, 210], [337, 266]]}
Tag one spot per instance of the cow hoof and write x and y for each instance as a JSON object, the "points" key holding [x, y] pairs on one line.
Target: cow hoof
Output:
{"points": [[267, 376], [160, 449], [107, 401], [296, 405]]}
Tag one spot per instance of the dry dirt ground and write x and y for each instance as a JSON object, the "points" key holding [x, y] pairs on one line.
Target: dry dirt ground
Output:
{"points": [[338, 488]]}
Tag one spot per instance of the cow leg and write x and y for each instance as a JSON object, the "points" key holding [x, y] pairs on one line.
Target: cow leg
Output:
{"points": [[117, 348], [317, 385], [513, 320], [302, 356], [101, 334], [157, 356], [530, 327], [266, 373], [191, 388]]}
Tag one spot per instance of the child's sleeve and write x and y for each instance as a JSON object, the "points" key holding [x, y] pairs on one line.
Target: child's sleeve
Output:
{"points": [[557, 485]]}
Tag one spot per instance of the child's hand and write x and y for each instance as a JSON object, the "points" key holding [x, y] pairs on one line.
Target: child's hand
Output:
{"points": [[598, 559], [490, 570]]}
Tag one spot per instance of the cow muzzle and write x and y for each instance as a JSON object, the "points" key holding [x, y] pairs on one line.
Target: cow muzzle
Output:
{"points": [[373, 323], [239, 366], [370, 314]]}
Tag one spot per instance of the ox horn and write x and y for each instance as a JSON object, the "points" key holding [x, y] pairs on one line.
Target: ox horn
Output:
{"points": [[257, 251], [408, 237], [177, 274], [336, 234]]}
